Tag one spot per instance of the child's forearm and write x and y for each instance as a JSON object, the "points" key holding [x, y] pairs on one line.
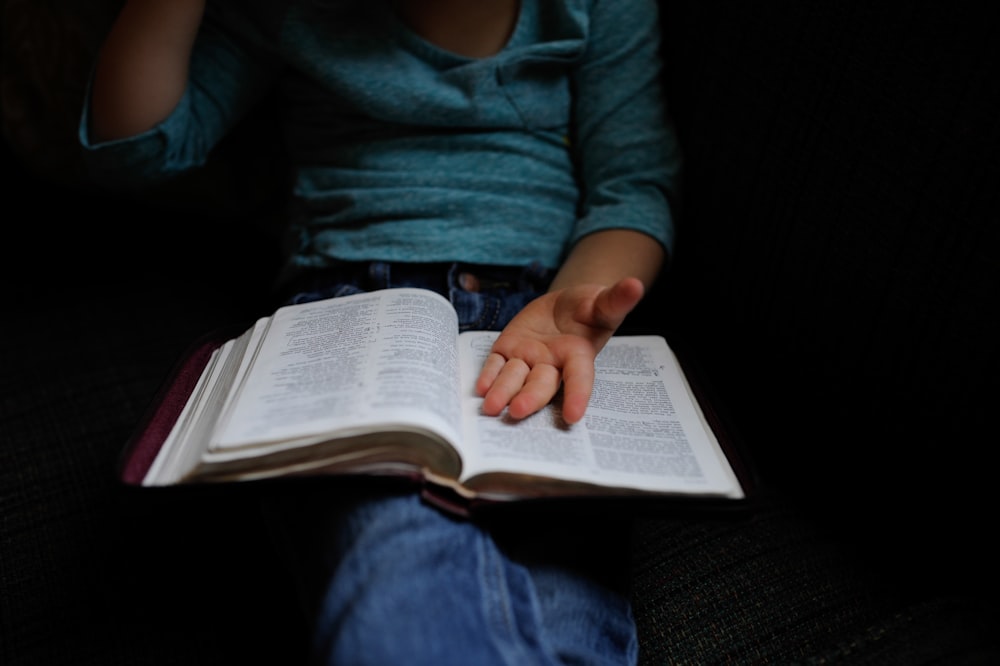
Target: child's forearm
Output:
{"points": [[605, 257], [142, 67]]}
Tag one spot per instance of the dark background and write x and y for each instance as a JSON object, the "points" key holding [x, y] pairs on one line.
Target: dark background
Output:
{"points": [[837, 264]]}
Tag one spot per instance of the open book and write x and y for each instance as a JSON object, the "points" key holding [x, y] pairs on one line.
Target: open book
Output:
{"points": [[381, 383]]}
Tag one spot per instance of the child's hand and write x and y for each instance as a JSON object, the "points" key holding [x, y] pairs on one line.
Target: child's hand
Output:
{"points": [[553, 341]]}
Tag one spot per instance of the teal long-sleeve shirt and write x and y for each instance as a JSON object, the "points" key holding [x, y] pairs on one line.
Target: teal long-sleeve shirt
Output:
{"points": [[403, 151]]}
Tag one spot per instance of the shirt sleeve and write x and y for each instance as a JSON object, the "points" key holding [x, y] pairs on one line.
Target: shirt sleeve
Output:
{"points": [[232, 67], [629, 159]]}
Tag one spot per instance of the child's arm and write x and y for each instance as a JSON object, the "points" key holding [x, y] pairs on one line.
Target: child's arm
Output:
{"points": [[142, 67], [629, 161], [555, 338]]}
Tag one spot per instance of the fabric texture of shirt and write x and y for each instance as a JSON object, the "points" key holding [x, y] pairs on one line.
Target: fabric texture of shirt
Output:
{"points": [[404, 151]]}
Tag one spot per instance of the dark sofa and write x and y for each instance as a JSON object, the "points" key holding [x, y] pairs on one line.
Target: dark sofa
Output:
{"points": [[836, 281]]}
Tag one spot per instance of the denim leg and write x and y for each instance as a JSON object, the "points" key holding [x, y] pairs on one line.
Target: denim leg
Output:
{"points": [[409, 584], [583, 621], [386, 579]]}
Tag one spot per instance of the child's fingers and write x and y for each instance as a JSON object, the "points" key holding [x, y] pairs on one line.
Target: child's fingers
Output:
{"points": [[613, 304], [506, 385], [539, 387], [578, 382], [487, 375]]}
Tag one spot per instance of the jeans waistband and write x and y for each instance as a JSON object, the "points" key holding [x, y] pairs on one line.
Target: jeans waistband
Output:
{"points": [[443, 277]]}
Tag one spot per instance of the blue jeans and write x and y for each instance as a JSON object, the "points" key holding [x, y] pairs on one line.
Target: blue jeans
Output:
{"points": [[387, 579], [485, 297]]}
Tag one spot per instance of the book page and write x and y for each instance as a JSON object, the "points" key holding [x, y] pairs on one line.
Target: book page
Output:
{"points": [[385, 359], [202, 409], [642, 429]]}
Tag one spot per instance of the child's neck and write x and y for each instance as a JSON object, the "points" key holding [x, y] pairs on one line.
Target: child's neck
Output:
{"points": [[473, 28]]}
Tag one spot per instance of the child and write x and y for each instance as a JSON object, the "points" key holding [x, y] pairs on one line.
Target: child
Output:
{"points": [[515, 156]]}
